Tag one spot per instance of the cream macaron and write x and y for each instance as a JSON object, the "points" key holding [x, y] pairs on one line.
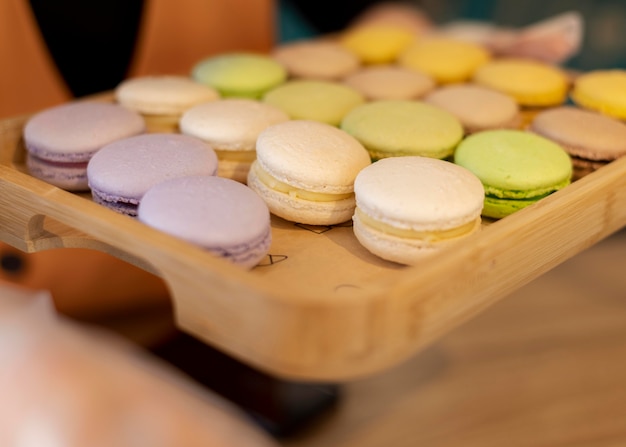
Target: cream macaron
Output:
{"points": [[477, 107], [408, 208], [231, 126], [390, 81], [162, 99], [305, 171], [321, 59]]}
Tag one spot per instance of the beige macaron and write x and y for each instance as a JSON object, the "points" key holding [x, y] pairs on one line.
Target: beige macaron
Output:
{"points": [[390, 82], [162, 99], [305, 171], [477, 107], [592, 139], [316, 59], [231, 127]]}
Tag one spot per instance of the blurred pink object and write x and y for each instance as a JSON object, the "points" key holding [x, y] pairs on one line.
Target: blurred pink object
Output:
{"points": [[553, 40], [63, 384]]}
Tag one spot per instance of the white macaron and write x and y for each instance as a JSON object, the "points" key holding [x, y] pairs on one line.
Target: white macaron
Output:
{"points": [[305, 171], [231, 126], [162, 99], [411, 207]]}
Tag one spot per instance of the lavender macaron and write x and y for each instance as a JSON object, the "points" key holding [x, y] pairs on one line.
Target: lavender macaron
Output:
{"points": [[219, 214], [61, 140], [121, 172]]}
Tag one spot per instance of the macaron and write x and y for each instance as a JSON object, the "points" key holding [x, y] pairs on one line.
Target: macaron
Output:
{"points": [[121, 172], [218, 214], [231, 126], [408, 208], [240, 74], [390, 82], [61, 140], [392, 128], [309, 99], [517, 168], [305, 171], [320, 59], [591, 139], [447, 60], [376, 43], [603, 91], [530, 82], [161, 100], [477, 107]]}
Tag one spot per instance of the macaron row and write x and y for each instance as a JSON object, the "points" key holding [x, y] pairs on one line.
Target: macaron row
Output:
{"points": [[404, 206]]}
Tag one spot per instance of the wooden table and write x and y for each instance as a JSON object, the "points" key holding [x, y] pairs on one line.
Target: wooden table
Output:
{"points": [[546, 366]]}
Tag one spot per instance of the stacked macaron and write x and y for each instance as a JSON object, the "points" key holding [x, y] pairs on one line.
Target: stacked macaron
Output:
{"points": [[305, 171], [61, 140], [221, 215]]}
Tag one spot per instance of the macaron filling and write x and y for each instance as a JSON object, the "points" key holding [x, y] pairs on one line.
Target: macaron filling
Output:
{"points": [[276, 185], [410, 233], [241, 156]]}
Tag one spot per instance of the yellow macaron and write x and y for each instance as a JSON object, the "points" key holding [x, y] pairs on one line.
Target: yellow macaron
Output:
{"points": [[376, 43], [446, 60], [532, 83], [603, 91]]}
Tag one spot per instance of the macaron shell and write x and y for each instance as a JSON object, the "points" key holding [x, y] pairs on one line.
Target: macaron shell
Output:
{"points": [[530, 82], [515, 164], [311, 155], [247, 75], [389, 128], [582, 133], [603, 91], [221, 215], [73, 132], [497, 208], [68, 176], [324, 101]]}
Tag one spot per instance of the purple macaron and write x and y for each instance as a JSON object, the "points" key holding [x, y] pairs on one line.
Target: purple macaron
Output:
{"points": [[61, 140], [219, 214], [120, 173]]}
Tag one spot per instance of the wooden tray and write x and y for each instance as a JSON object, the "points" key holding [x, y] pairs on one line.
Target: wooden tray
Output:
{"points": [[320, 307]]}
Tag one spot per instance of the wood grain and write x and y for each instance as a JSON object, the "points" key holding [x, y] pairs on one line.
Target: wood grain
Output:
{"points": [[545, 366], [328, 310]]}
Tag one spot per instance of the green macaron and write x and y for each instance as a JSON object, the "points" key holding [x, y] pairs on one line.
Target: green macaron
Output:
{"points": [[394, 128], [317, 100], [242, 75], [517, 168]]}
